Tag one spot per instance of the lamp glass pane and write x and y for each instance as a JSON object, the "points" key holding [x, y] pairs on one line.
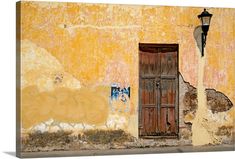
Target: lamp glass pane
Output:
{"points": [[206, 20]]}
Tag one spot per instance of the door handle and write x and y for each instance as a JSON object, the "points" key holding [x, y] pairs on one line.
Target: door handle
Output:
{"points": [[158, 84]]}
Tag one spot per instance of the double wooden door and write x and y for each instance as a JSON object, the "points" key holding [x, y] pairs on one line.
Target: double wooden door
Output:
{"points": [[158, 90]]}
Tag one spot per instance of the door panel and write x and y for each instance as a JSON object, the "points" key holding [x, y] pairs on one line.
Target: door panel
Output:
{"points": [[169, 63], [149, 101], [148, 73], [171, 120], [158, 70], [148, 91], [150, 119], [168, 92], [163, 121]]}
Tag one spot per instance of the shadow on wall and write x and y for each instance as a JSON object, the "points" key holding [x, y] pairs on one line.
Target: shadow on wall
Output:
{"points": [[198, 37]]}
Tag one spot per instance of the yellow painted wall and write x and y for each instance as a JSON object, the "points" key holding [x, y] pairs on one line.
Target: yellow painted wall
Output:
{"points": [[95, 45]]}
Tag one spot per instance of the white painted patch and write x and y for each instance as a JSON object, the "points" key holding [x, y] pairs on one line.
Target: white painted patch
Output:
{"points": [[54, 128], [114, 122], [79, 127], [49, 122], [40, 127], [66, 126], [89, 127]]}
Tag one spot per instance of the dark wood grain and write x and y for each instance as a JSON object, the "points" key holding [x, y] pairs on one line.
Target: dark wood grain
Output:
{"points": [[158, 89]]}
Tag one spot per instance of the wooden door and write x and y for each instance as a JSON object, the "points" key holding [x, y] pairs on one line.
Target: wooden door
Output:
{"points": [[158, 90]]}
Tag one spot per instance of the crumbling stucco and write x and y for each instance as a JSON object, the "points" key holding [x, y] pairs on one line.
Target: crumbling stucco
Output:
{"points": [[217, 101], [72, 53], [218, 121]]}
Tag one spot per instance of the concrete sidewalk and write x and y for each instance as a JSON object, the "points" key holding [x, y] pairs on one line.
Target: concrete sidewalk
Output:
{"points": [[177, 149]]}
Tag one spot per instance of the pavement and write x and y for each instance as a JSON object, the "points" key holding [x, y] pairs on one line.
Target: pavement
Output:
{"points": [[173, 149]]}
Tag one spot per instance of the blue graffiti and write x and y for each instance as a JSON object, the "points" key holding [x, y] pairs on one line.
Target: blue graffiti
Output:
{"points": [[118, 93]]}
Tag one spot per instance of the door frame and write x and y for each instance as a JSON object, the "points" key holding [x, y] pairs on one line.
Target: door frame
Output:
{"points": [[174, 47]]}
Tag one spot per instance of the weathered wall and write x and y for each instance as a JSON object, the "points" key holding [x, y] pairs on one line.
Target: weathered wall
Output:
{"points": [[72, 53], [217, 116]]}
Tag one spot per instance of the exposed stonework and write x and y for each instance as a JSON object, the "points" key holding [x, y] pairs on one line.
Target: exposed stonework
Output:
{"points": [[66, 72], [187, 110], [217, 101], [224, 131], [218, 121], [100, 139], [190, 103]]}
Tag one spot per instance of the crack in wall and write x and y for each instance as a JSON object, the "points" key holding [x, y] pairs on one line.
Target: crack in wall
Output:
{"points": [[67, 26]]}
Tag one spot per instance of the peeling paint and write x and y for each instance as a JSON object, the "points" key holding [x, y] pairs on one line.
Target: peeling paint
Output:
{"points": [[72, 52]]}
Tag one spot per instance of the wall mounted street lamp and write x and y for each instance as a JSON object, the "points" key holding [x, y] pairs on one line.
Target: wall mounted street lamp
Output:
{"points": [[205, 20]]}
